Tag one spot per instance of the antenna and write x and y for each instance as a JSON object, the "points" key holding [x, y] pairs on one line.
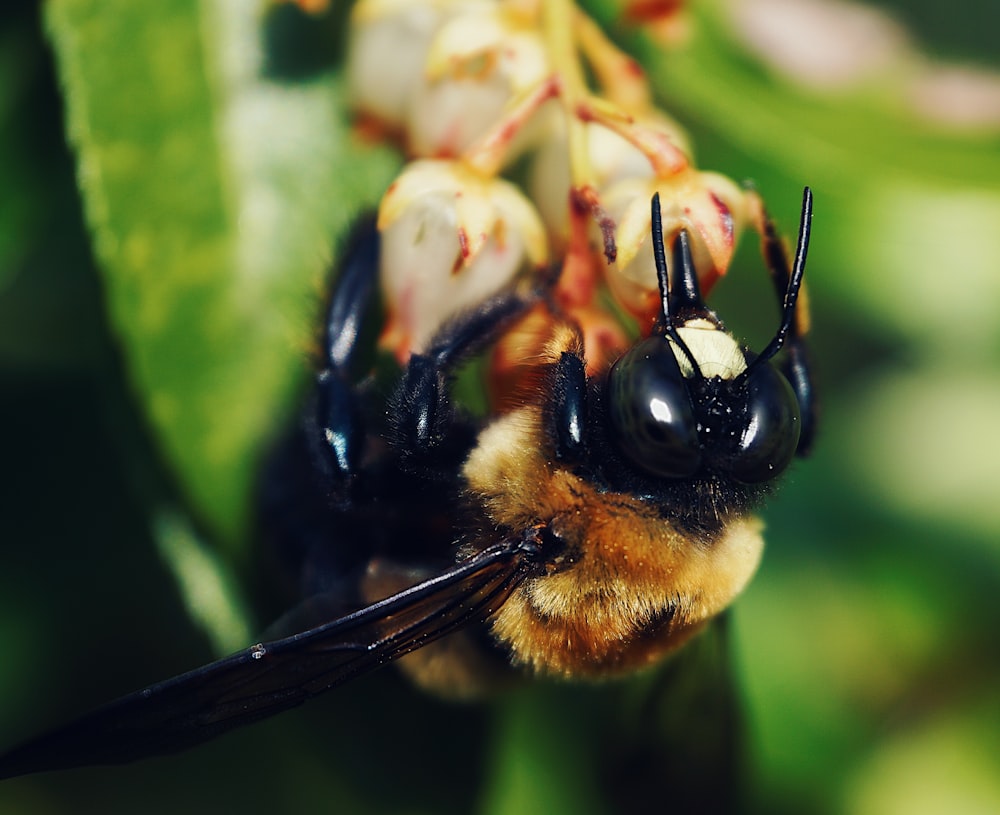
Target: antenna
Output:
{"points": [[689, 291], [794, 281]]}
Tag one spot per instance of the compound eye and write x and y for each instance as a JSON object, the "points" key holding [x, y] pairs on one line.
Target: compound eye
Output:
{"points": [[651, 413], [772, 427]]}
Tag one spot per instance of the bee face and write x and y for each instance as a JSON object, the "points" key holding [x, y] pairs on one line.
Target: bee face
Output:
{"points": [[690, 402], [674, 421]]}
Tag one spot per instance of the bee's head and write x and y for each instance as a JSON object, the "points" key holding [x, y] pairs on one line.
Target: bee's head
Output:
{"points": [[689, 399]]}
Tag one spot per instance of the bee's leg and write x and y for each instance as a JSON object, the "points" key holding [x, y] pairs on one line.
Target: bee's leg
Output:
{"points": [[332, 422], [567, 415], [795, 364], [310, 480], [331, 433], [427, 430]]}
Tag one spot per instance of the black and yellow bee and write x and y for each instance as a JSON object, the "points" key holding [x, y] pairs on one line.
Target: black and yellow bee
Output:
{"points": [[585, 532]]}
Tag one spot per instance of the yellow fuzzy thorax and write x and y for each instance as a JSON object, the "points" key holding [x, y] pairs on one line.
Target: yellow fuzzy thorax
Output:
{"points": [[633, 586]]}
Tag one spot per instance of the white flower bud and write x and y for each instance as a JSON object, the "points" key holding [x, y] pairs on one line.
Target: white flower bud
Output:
{"points": [[477, 63], [387, 51], [712, 209], [450, 240]]}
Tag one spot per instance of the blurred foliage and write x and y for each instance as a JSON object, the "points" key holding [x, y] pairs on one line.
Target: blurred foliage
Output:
{"points": [[159, 279]]}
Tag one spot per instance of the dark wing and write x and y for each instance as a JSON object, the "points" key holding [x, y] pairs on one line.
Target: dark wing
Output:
{"points": [[271, 677]]}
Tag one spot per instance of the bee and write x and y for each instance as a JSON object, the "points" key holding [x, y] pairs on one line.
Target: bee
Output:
{"points": [[584, 532]]}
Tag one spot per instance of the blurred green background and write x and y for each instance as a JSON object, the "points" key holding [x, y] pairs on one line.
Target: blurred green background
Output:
{"points": [[160, 269]]}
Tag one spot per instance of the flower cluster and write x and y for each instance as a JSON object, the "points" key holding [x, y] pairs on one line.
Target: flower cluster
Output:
{"points": [[467, 87]]}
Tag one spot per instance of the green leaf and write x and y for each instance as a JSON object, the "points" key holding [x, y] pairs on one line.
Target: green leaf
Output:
{"points": [[214, 195]]}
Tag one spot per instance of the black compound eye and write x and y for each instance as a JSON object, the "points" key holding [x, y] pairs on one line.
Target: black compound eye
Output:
{"points": [[651, 413], [771, 432]]}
